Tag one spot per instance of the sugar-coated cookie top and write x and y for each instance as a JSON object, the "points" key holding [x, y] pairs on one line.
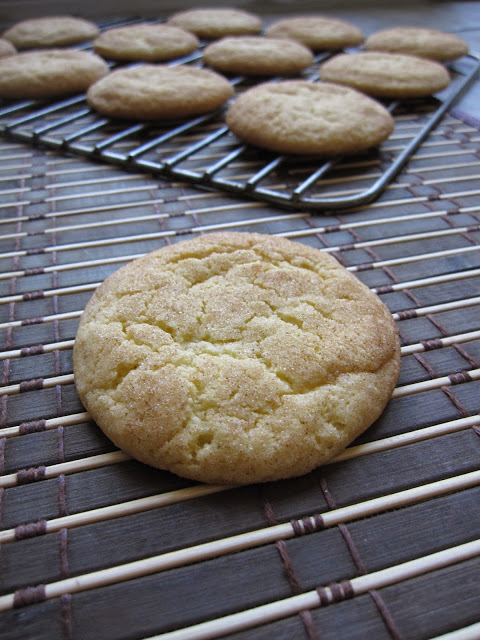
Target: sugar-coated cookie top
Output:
{"points": [[147, 42], [300, 117], [418, 41], [156, 92], [49, 73], [51, 31], [387, 75], [214, 23], [235, 358], [317, 32], [254, 55]]}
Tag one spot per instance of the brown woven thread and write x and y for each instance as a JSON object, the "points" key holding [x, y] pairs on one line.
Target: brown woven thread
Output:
{"points": [[430, 345], [29, 595], [30, 530], [308, 524], [408, 314], [337, 591], [62, 500], [33, 295], [446, 390], [34, 271], [66, 601], [32, 351], [459, 378], [359, 564], [3, 442], [32, 427], [347, 247], [476, 429], [64, 570], [34, 252], [323, 596], [386, 288], [361, 568], [332, 228], [25, 476], [31, 385], [305, 615], [28, 321], [2, 471]]}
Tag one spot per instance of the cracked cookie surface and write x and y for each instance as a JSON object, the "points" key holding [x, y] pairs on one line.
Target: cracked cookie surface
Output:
{"points": [[235, 358], [301, 117]]}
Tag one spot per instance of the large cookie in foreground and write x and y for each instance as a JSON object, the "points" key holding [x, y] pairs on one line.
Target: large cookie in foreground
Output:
{"points": [[49, 73], [235, 358], [51, 31], [159, 92], [300, 117], [418, 41], [386, 75]]}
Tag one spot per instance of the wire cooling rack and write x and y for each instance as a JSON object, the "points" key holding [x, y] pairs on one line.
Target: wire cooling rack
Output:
{"points": [[203, 151]]}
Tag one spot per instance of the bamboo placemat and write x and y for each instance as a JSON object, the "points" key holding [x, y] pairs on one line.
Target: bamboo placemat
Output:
{"points": [[381, 543]]}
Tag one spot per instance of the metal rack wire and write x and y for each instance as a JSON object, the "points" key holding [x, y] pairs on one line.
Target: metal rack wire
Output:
{"points": [[204, 152]]}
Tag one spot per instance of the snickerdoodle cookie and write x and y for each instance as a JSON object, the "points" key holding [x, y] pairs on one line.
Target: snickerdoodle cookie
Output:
{"points": [[147, 42], [217, 22], [235, 358], [6, 48], [300, 117], [418, 41], [317, 32], [254, 55], [159, 92], [52, 31], [49, 73], [386, 75]]}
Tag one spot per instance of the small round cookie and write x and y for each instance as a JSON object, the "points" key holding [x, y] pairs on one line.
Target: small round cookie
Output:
{"points": [[300, 117], [254, 55], [418, 41], [6, 48], [317, 32], [235, 358], [146, 42], [159, 92], [49, 73], [386, 75], [217, 22], [52, 31]]}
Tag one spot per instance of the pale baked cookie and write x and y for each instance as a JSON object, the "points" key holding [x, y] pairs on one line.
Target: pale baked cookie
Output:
{"points": [[418, 41], [159, 92], [300, 117], [254, 55], [52, 31], [147, 42], [235, 358], [317, 32], [6, 48], [49, 73], [386, 75], [217, 22]]}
